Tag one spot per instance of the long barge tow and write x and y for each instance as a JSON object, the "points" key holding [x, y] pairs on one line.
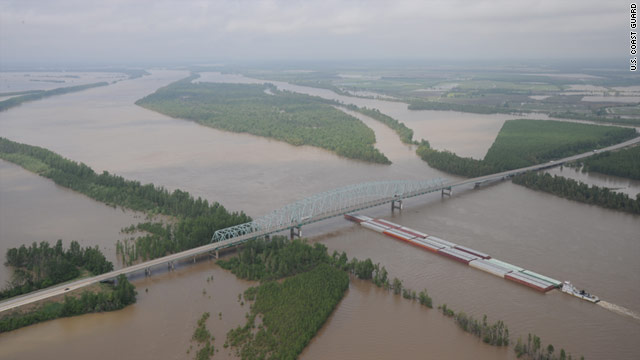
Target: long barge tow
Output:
{"points": [[474, 258]]}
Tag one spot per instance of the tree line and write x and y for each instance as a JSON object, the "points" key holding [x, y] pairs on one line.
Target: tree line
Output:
{"points": [[470, 108], [616, 119], [578, 191], [624, 163], [33, 96], [533, 350], [263, 110], [522, 143], [110, 298], [496, 334], [196, 219], [41, 265], [405, 133]]}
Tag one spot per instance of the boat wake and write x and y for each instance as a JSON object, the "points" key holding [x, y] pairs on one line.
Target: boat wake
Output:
{"points": [[619, 309]]}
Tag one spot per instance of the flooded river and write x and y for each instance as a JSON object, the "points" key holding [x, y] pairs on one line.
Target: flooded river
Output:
{"points": [[595, 248]]}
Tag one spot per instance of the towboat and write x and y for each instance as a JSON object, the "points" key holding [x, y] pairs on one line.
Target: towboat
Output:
{"points": [[571, 290]]}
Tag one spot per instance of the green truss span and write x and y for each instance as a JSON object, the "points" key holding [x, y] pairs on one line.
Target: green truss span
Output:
{"points": [[330, 204]]}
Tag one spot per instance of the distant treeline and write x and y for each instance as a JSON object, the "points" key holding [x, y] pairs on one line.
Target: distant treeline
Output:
{"points": [[32, 96], [263, 110], [40, 266], [196, 221], [578, 191], [523, 143], [14, 93], [471, 108], [623, 163], [596, 118], [112, 297]]}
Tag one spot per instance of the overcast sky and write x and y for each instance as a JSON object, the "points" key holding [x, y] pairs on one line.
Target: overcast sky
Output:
{"points": [[123, 31]]}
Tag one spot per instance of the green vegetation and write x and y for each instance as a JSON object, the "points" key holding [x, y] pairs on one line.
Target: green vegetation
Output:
{"points": [[478, 91], [623, 163], [406, 134], [41, 266], [275, 259], [452, 163], [15, 101], [110, 298], [596, 118], [291, 313], [496, 334], [196, 219], [522, 143], [533, 350], [264, 111], [308, 268], [202, 335], [574, 190], [14, 93], [472, 108]]}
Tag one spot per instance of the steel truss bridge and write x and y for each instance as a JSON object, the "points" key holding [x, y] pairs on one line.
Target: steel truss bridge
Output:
{"points": [[327, 205]]}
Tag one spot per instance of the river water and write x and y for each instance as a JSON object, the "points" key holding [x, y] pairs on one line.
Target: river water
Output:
{"points": [[593, 247]]}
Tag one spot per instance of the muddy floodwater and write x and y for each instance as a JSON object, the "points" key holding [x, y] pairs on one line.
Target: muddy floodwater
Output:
{"points": [[595, 248]]}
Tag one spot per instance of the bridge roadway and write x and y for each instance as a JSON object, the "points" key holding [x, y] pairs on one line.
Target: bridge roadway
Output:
{"points": [[213, 247]]}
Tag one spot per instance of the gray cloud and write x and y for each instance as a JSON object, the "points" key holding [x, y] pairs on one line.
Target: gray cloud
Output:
{"points": [[145, 30]]}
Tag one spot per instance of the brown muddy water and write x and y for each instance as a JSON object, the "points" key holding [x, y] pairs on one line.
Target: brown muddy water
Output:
{"points": [[595, 248]]}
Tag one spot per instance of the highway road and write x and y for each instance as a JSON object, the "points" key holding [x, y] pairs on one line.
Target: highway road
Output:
{"points": [[192, 253]]}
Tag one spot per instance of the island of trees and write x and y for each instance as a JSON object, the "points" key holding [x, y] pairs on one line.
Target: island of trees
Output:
{"points": [[42, 265], [265, 111]]}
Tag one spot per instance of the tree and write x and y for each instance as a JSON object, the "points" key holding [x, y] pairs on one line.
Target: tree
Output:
{"points": [[397, 286]]}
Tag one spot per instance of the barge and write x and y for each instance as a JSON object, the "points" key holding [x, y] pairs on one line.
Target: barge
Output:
{"points": [[463, 254], [466, 255]]}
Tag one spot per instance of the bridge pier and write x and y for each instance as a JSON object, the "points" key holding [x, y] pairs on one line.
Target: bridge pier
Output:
{"points": [[396, 204], [296, 232], [447, 191]]}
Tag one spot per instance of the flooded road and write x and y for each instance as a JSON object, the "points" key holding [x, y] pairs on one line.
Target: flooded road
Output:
{"points": [[595, 248]]}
